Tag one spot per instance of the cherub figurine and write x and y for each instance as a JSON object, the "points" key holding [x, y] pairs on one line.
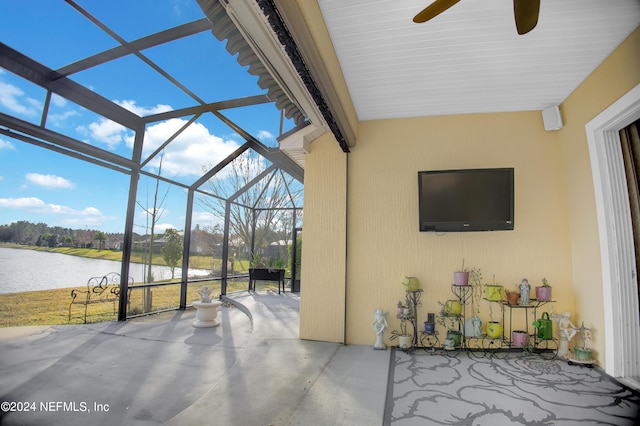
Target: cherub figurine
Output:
{"points": [[204, 293], [566, 331], [379, 326]]}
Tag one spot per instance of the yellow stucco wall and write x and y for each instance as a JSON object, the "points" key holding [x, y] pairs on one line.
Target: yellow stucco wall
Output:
{"points": [[322, 286], [555, 234], [616, 76], [384, 243]]}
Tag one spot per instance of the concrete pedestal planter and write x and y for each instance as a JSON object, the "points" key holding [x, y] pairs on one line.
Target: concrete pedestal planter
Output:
{"points": [[405, 342], [206, 309], [206, 313]]}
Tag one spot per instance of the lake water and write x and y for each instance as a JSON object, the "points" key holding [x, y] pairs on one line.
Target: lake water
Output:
{"points": [[29, 270]]}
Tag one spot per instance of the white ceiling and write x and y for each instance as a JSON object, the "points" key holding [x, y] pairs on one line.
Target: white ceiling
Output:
{"points": [[470, 59]]}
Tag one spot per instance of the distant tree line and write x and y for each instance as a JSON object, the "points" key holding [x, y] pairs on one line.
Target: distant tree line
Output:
{"points": [[43, 235], [204, 240]]}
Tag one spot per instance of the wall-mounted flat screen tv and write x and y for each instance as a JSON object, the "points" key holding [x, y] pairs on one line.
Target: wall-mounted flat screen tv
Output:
{"points": [[466, 200]]}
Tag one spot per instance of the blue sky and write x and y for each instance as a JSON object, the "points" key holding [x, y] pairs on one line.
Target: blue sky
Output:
{"points": [[39, 185]]}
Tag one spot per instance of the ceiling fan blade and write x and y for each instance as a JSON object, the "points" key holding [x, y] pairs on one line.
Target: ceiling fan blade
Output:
{"points": [[526, 13], [433, 10]]}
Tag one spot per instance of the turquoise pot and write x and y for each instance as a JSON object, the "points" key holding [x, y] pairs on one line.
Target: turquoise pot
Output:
{"points": [[582, 354]]}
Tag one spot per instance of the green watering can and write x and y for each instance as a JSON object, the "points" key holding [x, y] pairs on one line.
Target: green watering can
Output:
{"points": [[544, 326]]}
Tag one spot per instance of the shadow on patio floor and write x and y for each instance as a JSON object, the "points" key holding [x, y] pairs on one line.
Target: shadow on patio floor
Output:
{"points": [[252, 369]]}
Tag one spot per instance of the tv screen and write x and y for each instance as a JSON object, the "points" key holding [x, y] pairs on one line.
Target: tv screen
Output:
{"points": [[466, 200]]}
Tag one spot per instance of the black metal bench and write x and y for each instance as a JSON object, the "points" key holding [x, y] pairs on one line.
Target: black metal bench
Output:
{"points": [[266, 274], [104, 289]]}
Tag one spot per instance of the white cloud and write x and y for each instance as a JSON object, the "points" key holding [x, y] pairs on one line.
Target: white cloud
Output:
{"points": [[161, 228], [14, 99], [36, 205], [111, 133], [49, 181], [58, 100], [142, 111], [205, 219], [192, 149], [107, 131], [104, 131], [180, 5], [61, 110], [59, 119], [67, 216], [265, 135], [6, 145]]}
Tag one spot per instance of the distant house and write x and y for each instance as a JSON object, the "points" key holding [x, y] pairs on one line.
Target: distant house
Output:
{"points": [[114, 242], [277, 249]]}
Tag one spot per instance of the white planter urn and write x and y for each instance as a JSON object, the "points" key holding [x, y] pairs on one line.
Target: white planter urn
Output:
{"points": [[404, 342], [206, 313]]}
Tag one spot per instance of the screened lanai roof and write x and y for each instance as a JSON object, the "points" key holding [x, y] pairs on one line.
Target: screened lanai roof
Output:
{"points": [[164, 91], [153, 66]]}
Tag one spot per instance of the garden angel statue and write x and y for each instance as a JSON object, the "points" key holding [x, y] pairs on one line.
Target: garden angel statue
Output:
{"points": [[525, 288], [204, 293], [379, 326], [566, 331]]}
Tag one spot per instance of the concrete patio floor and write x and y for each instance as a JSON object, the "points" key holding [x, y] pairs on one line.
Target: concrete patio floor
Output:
{"points": [[250, 370]]}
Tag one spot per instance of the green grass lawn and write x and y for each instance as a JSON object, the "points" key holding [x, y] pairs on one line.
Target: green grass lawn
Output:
{"points": [[49, 307]]}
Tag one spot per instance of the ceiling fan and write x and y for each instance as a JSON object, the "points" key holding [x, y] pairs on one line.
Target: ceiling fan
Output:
{"points": [[525, 13]]}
